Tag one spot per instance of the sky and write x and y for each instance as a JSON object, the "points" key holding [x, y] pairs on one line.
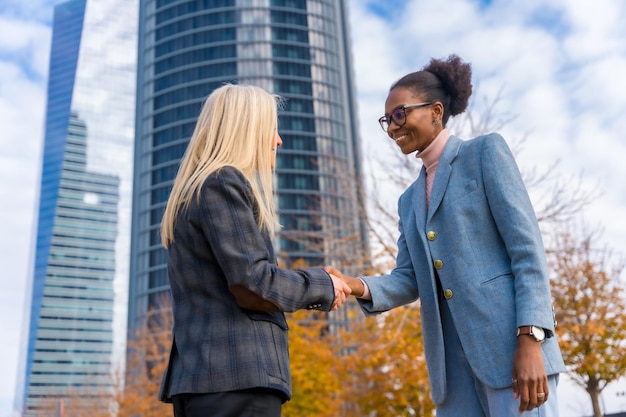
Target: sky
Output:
{"points": [[554, 68]]}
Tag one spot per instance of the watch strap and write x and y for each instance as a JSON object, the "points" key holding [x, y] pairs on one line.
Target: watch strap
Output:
{"points": [[528, 330], [524, 330]]}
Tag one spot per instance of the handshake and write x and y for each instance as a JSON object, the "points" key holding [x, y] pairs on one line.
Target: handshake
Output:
{"points": [[344, 286]]}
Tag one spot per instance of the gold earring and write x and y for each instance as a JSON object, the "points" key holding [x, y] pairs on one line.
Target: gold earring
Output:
{"points": [[436, 121]]}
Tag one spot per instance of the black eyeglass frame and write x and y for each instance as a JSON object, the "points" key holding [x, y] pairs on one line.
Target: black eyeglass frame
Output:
{"points": [[387, 120]]}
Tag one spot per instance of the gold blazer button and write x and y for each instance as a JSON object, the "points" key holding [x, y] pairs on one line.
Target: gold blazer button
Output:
{"points": [[447, 293], [431, 235], [438, 264]]}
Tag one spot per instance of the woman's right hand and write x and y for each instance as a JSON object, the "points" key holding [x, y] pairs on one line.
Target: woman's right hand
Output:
{"points": [[356, 285], [342, 291]]}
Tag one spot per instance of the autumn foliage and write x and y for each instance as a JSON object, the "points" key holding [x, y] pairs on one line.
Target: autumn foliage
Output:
{"points": [[314, 367], [589, 297], [147, 354], [367, 366], [385, 370], [75, 403]]}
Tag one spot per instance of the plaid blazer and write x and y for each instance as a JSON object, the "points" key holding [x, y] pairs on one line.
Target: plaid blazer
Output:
{"points": [[217, 345]]}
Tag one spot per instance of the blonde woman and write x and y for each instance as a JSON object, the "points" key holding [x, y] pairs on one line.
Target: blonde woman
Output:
{"points": [[229, 352]]}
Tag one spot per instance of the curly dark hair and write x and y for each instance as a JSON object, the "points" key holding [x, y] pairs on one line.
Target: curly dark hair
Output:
{"points": [[448, 81]]}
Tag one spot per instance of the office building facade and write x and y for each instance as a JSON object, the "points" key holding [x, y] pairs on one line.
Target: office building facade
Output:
{"points": [[83, 228], [298, 49]]}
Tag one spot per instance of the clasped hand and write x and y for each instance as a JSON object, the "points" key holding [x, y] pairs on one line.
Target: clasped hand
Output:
{"points": [[344, 286]]}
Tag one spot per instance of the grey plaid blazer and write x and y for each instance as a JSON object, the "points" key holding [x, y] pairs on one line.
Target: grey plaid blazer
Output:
{"points": [[219, 346]]}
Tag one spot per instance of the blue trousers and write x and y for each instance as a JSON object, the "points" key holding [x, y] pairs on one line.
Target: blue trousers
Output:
{"points": [[468, 397]]}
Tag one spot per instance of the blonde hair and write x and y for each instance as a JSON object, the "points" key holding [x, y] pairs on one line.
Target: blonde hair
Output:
{"points": [[235, 128]]}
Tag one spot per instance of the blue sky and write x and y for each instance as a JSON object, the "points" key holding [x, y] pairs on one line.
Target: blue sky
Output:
{"points": [[557, 66]]}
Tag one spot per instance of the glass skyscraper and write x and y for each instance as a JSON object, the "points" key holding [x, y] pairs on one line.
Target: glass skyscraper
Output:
{"points": [[298, 49], [83, 229]]}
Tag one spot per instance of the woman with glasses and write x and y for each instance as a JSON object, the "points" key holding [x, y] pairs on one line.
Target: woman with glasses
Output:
{"points": [[229, 352], [470, 249]]}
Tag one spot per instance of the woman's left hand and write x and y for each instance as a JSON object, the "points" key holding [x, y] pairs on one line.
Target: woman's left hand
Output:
{"points": [[530, 382]]}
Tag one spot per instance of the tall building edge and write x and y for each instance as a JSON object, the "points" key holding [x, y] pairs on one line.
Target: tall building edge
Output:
{"points": [[80, 238], [65, 41], [136, 207], [353, 118], [298, 49]]}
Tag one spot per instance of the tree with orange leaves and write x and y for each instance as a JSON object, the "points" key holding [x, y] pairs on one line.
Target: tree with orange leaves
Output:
{"points": [[313, 363], [77, 402], [146, 360], [316, 383], [375, 366], [384, 371], [590, 313]]}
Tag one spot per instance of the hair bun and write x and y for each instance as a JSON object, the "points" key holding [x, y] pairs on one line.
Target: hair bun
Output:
{"points": [[456, 79]]}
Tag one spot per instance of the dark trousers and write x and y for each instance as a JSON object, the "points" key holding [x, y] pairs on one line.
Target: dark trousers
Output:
{"points": [[257, 402]]}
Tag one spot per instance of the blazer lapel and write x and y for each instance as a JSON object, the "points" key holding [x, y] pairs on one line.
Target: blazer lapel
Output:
{"points": [[419, 201], [443, 174]]}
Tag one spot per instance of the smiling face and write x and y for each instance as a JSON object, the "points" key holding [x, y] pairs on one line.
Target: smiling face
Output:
{"points": [[421, 126]]}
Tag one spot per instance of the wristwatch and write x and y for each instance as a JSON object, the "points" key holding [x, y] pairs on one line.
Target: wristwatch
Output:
{"points": [[537, 332]]}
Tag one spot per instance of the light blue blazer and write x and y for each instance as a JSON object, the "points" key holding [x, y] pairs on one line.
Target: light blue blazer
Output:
{"points": [[481, 234]]}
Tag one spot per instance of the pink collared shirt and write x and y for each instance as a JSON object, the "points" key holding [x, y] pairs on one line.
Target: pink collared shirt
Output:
{"points": [[430, 156]]}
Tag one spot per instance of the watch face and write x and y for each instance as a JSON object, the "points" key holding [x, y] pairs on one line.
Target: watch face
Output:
{"points": [[538, 333]]}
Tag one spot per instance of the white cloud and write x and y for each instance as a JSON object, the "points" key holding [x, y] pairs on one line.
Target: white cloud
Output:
{"points": [[28, 45], [35, 10], [597, 28], [600, 87], [24, 50]]}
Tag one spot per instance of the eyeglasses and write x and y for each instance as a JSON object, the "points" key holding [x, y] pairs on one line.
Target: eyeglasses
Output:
{"points": [[398, 115]]}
